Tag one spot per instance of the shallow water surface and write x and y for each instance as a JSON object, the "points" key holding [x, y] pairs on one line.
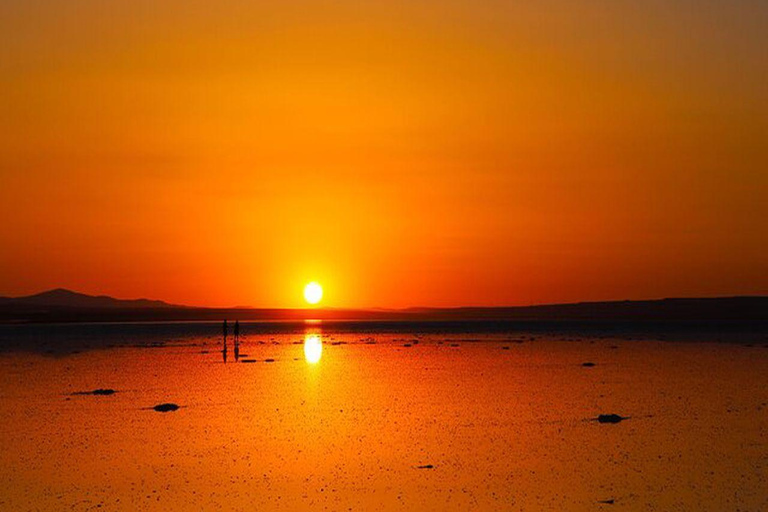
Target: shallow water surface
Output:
{"points": [[329, 420]]}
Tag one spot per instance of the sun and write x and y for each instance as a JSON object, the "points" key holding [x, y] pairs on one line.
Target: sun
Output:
{"points": [[313, 292]]}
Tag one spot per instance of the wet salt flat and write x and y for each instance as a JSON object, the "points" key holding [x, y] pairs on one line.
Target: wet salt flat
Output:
{"points": [[325, 420]]}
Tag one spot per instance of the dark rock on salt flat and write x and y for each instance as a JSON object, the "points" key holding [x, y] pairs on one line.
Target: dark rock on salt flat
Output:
{"points": [[610, 418], [97, 392], [166, 407], [425, 466], [588, 364]]}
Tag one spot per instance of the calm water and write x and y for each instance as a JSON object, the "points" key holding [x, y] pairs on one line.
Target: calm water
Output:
{"points": [[338, 417]]}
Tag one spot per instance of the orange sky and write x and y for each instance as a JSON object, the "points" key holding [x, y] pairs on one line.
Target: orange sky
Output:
{"points": [[401, 153]]}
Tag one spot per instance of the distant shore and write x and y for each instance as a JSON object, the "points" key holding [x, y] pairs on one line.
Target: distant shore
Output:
{"points": [[736, 311]]}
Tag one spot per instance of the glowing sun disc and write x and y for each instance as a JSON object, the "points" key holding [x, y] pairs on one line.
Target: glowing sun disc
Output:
{"points": [[313, 292]]}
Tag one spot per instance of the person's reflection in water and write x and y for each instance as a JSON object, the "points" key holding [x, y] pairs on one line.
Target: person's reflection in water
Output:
{"points": [[224, 348], [237, 340]]}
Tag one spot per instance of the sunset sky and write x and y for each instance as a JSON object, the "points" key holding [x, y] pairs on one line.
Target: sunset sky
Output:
{"points": [[401, 153]]}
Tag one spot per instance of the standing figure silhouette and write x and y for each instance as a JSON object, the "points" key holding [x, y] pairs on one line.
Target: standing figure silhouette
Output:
{"points": [[237, 340], [224, 348]]}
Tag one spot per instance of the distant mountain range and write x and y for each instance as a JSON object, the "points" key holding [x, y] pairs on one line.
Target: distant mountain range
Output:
{"points": [[61, 297], [62, 305]]}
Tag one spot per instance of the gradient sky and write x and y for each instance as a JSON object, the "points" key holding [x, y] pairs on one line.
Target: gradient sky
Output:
{"points": [[401, 153]]}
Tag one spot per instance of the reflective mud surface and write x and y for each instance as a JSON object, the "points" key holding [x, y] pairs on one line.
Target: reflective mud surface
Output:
{"points": [[322, 420]]}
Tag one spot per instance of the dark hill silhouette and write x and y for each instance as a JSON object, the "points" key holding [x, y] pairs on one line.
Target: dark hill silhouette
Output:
{"points": [[63, 298], [690, 310], [67, 306]]}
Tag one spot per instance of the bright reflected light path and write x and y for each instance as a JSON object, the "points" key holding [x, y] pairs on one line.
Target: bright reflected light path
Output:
{"points": [[313, 348]]}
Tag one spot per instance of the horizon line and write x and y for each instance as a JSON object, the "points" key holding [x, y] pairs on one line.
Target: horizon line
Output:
{"points": [[387, 309]]}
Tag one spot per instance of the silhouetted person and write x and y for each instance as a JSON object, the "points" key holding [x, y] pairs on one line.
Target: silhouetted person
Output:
{"points": [[237, 340], [224, 349]]}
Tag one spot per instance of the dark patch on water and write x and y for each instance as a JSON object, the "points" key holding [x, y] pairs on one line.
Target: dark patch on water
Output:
{"points": [[610, 418], [167, 407], [97, 392]]}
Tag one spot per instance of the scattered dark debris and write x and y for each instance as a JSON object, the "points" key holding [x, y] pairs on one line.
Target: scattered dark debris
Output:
{"points": [[98, 392], [269, 360], [588, 364], [169, 407], [158, 344], [610, 418], [247, 360]]}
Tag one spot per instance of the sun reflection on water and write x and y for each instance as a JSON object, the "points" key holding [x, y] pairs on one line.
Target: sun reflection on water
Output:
{"points": [[313, 348]]}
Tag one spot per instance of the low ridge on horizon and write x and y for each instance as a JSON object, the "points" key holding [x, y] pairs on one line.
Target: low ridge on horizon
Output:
{"points": [[61, 296], [65, 297]]}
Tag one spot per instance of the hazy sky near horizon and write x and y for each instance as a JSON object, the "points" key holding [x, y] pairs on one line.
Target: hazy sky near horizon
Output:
{"points": [[401, 153]]}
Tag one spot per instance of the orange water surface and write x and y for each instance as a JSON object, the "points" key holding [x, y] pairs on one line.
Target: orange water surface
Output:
{"points": [[387, 421]]}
